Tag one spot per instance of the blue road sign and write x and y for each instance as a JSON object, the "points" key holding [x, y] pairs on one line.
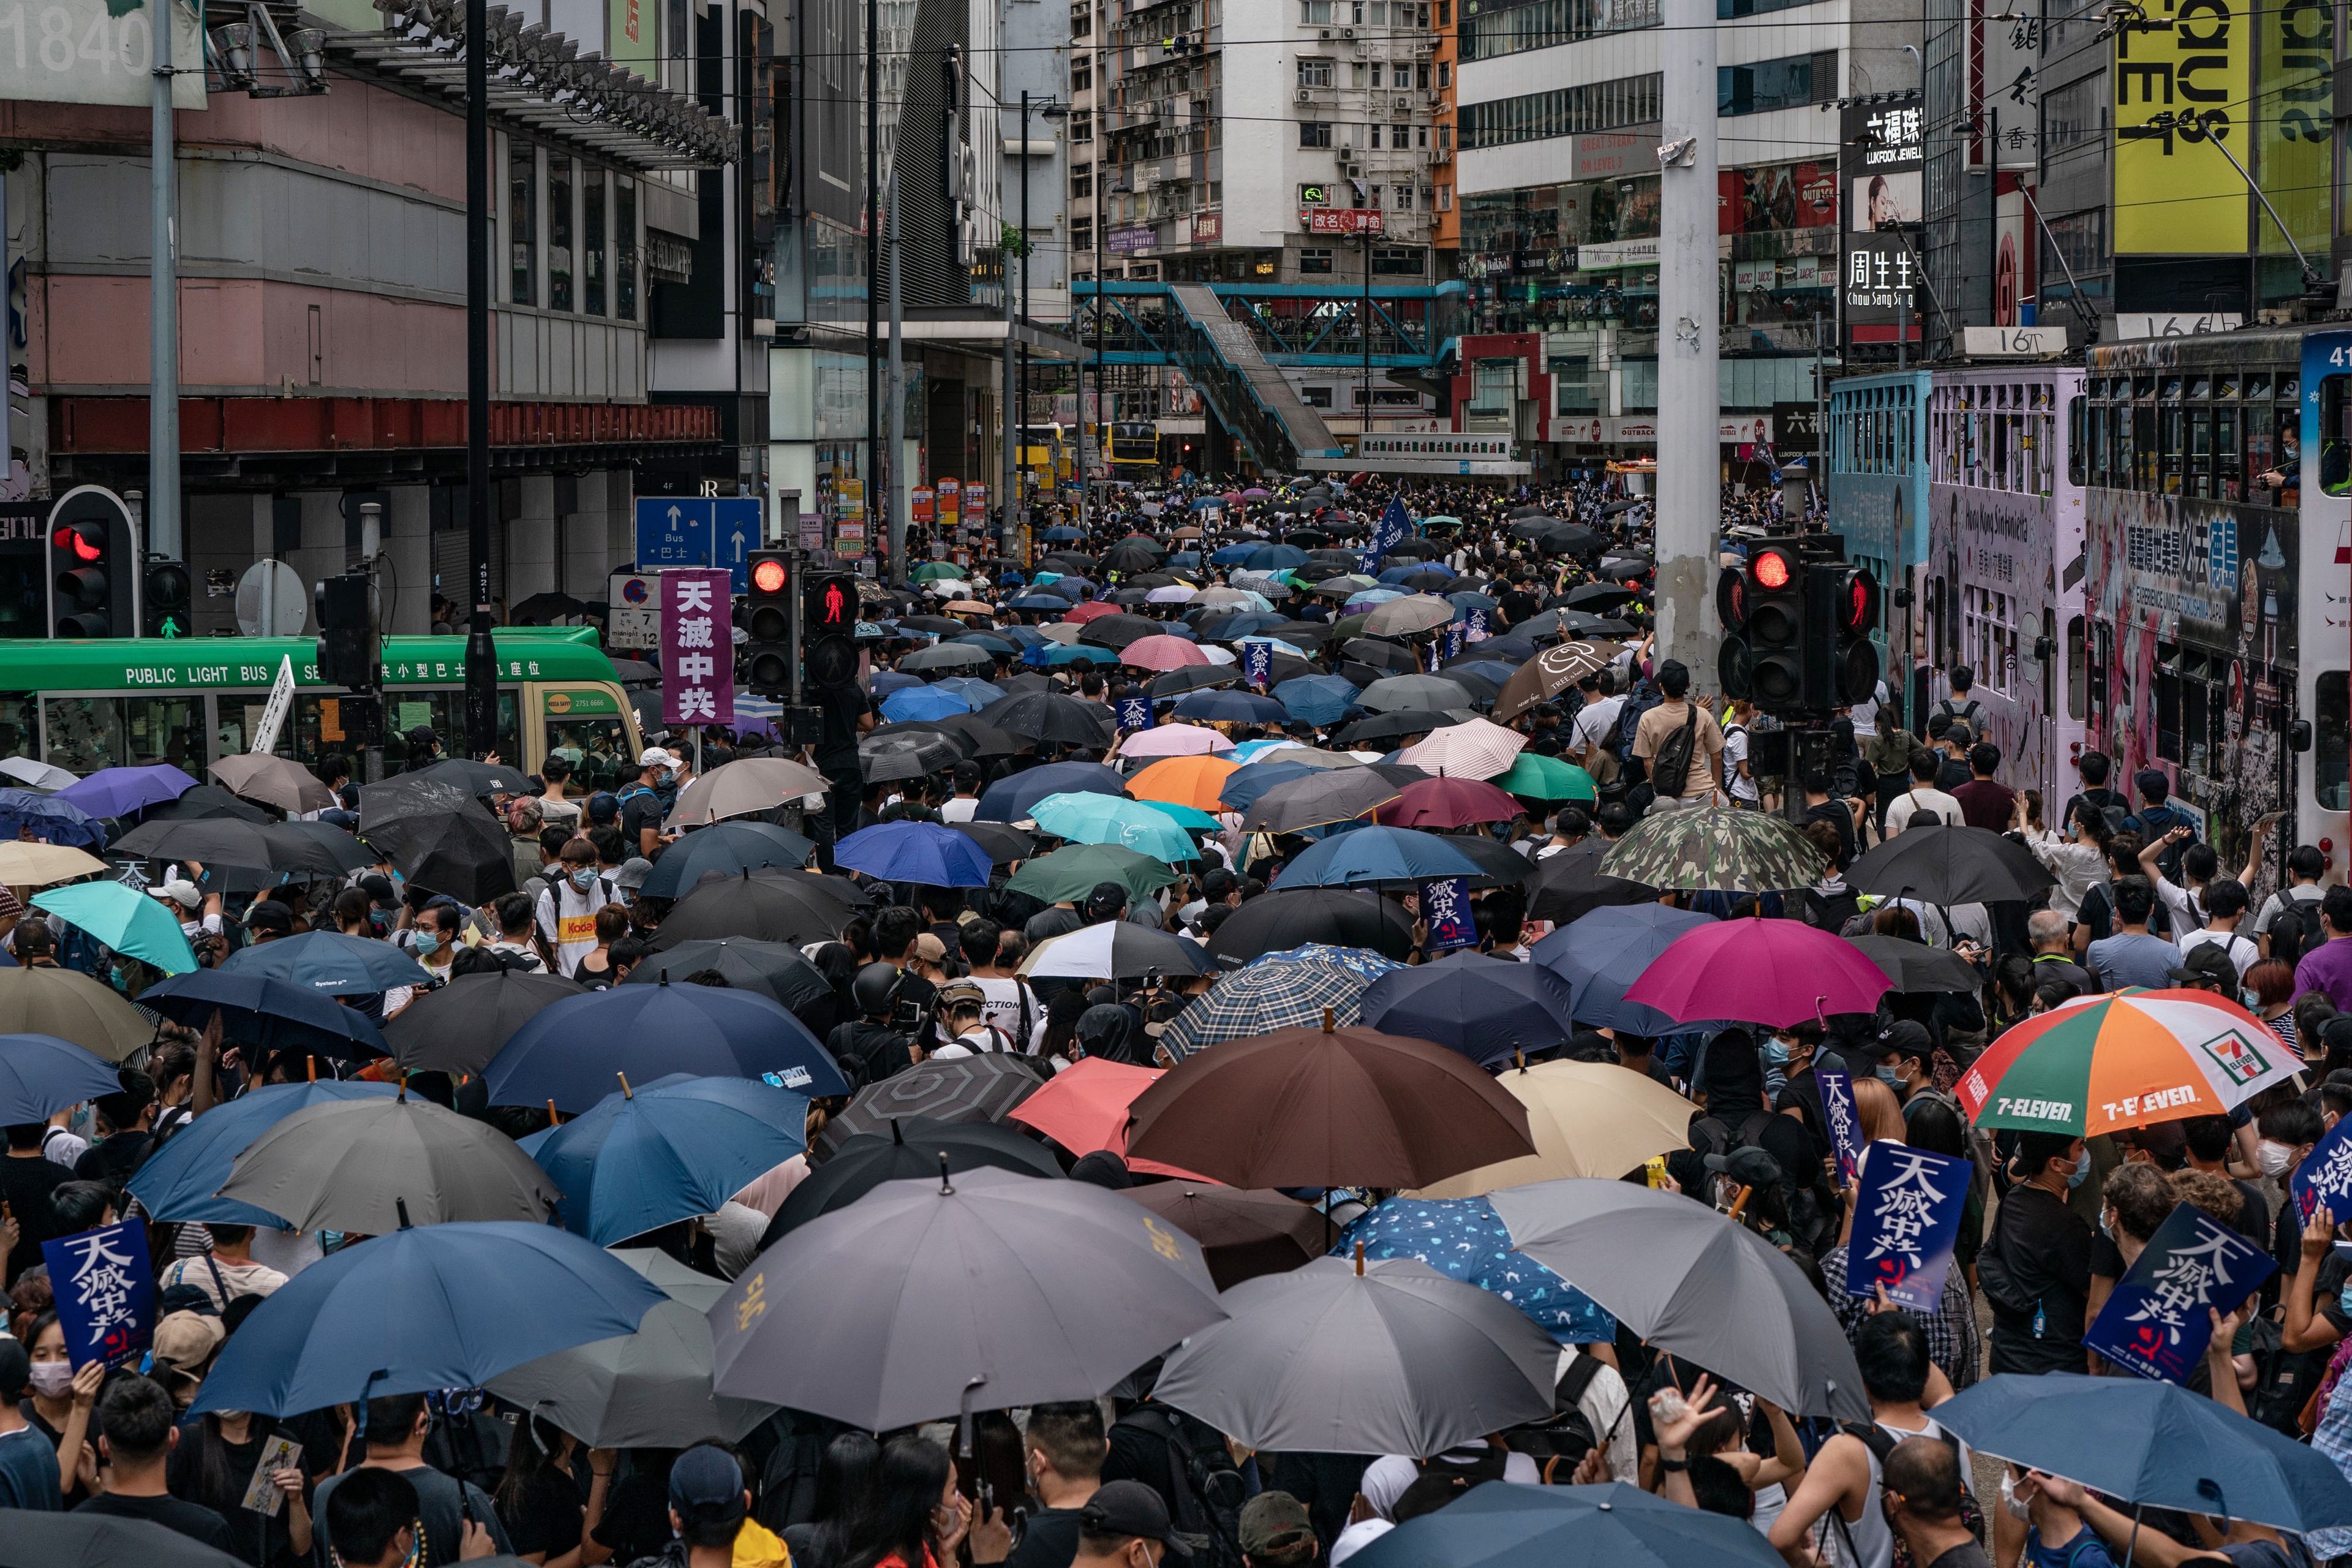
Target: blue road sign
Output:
{"points": [[688, 531]]}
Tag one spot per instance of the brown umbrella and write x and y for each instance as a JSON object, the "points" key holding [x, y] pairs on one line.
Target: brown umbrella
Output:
{"points": [[1549, 674], [1324, 1108], [72, 1007], [1243, 1233], [281, 781]]}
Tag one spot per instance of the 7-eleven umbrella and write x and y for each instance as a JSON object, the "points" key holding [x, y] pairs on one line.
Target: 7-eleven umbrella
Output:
{"points": [[2098, 1063]]}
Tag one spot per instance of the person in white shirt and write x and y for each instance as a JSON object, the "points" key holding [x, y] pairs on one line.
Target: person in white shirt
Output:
{"points": [[227, 1271], [1739, 779], [567, 909], [199, 915], [1006, 1000], [2225, 911], [960, 807], [2078, 861], [962, 1014], [1595, 721], [2305, 865], [1922, 796]]}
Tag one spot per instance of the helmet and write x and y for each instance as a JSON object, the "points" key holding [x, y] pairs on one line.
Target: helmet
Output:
{"points": [[876, 989]]}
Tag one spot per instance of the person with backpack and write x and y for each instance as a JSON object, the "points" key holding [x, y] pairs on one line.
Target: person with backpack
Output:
{"points": [[1925, 1496], [2289, 919], [1680, 743], [2155, 819], [1961, 708], [1186, 1463]]}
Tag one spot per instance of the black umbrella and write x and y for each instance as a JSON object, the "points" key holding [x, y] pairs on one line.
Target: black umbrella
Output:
{"points": [[1117, 631], [1528, 522], [1436, 580], [1395, 659], [1339, 917], [475, 778], [775, 906], [1192, 678], [1297, 631], [776, 968], [1332, 795], [546, 609], [232, 841], [1130, 557], [911, 1150], [205, 801], [1003, 842], [1569, 886], [1627, 568], [985, 739], [881, 735], [1048, 715], [1499, 865], [338, 845], [1914, 967], [1569, 538], [729, 847], [1948, 865], [1396, 726], [415, 794], [45, 1538], [465, 855], [908, 753], [459, 1028], [1596, 598], [967, 1089], [1307, 538], [940, 625]]}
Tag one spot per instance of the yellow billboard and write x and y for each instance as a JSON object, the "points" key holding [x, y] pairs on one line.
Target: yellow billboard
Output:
{"points": [[2177, 192]]}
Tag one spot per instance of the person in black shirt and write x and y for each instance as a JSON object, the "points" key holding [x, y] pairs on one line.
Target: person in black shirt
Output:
{"points": [[848, 715], [135, 1438], [125, 1115], [1922, 1485], [2036, 1266], [2092, 768], [213, 1463], [539, 1497], [27, 1177], [1062, 1453]]}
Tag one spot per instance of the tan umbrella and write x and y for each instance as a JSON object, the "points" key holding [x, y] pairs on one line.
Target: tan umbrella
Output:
{"points": [[1589, 1119], [274, 781], [72, 1007], [741, 787], [1402, 617], [25, 865], [1549, 674], [968, 607]]}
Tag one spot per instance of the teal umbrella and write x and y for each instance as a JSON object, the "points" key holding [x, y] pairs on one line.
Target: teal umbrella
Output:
{"points": [[1190, 817], [125, 920], [1109, 819]]}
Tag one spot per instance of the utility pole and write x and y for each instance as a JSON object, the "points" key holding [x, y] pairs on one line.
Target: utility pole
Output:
{"points": [[1364, 427], [481, 654], [872, 477], [1020, 491], [1690, 308], [1009, 479], [894, 520], [163, 306]]}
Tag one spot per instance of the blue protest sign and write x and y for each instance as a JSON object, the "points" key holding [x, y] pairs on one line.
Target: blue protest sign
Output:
{"points": [[1845, 1123], [2327, 1176], [1476, 623], [1433, 656], [1391, 530], [1454, 639], [1257, 662], [1445, 906], [105, 1293], [2155, 1322], [1906, 1225], [1134, 712]]}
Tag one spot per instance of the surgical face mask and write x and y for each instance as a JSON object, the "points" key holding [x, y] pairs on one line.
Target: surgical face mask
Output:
{"points": [[2081, 1171], [1890, 1077], [2010, 1500], [2272, 1158], [585, 878], [427, 943], [1775, 1053], [2249, 998], [52, 1378]]}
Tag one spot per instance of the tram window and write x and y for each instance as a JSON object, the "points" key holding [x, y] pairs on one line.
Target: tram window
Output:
{"points": [[2077, 687], [2335, 435], [2167, 703], [2000, 449], [2084, 428], [20, 725], [2201, 453], [2194, 724], [86, 733], [2143, 449], [2227, 482], [2169, 420], [2331, 752]]}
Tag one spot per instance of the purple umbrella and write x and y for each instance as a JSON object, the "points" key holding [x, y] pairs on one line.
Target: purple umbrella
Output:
{"points": [[119, 792]]}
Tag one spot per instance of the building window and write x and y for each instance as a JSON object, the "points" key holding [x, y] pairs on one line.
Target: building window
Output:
{"points": [[1376, 73], [1082, 21], [1401, 137], [1563, 112], [624, 248], [1082, 73], [1420, 79], [1400, 198], [1356, 74], [1429, 197], [592, 240], [559, 232], [1082, 125], [1314, 73], [1374, 132], [1444, 198], [1545, 24], [1314, 13], [1315, 261], [1788, 83], [1082, 234], [1315, 396], [1399, 260], [1082, 184], [1312, 134], [1444, 75], [522, 222], [1445, 13]]}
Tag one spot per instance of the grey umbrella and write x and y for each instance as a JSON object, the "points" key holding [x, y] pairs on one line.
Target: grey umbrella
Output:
{"points": [[275, 780], [45, 1538], [375, 1165], [1329, 795], [1689, 1280], [743, 786], [932, 1297], [1401, 617], [1403, 692], [947, 656], [650, 1389], [1343, 1357], [906, 755]]}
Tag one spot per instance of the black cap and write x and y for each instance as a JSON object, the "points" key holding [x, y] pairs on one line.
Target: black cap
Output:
{"points": [[1130, 1508], [706, 1484], [15, 1369], [270, 917], [2208, 963], [1906, 1037]]}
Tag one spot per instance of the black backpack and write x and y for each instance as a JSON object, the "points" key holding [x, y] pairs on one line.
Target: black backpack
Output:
{"points": [[2284, 1380], [1204, 1484], [1670, 769], [1559, 1444], [2294, 930]]}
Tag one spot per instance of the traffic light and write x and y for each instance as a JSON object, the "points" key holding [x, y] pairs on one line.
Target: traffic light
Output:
{"points": [[93, 567], [1840, 662], [350, 656], [768, 651], [163, 603], [1773, 599], [831, 620]]}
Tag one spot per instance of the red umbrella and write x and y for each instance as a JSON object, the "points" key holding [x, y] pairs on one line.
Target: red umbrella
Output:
{"points": [[1759, 972], [1449, 803], [1318, 1108], [1086, 1107], [1162, 653], [1079, 615]]}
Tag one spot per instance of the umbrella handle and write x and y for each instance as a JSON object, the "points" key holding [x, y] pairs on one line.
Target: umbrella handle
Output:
{"points": [[1738, 1203], [964, 1417]]}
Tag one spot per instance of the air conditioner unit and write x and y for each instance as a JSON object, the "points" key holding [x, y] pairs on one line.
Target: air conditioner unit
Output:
{"points": [[1306, 96], [1347, 32], [1401, 100], [1325, 34], [1424, 47]]}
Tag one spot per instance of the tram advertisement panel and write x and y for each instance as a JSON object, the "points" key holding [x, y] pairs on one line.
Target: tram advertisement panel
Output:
{"points": [[1995, 548]]}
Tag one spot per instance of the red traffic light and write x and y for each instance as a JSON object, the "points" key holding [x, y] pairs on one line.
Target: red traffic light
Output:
{"points": [[81, 544], [768, 576], [1772, 570]]}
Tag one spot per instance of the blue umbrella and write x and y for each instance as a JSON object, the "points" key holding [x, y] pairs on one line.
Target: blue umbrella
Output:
{"points": [[1494, 670], [1226, 628], [1275, 558], [1464, 1240], [1071, 588], [569, 1052], [1613, 1526], [1243, 785], [1232, 556], [1186, 558], [40, 1075], [1602, 953], [1316, 699], [267, 1013], [1514, 649], [1019, 637], [979, 694], [729, 847], [1377, 854], [436, 1306], [125, 920], [1069, 653], [1051, 603], [1063, 535], [1209, 503], [2152, 1445], [119, 792], [1489, 1009], [179, 1180], [1010, 798], [49, 818], [1466, 601], [992, 641], [1398, 574], [329, 963], [1011, 580], [669, 1150], [887, 682], [922, 703], [921, 852], [1233, 707]]}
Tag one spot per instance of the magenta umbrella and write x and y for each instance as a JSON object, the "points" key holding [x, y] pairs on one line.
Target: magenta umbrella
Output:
{"points": [[1773, 972], [1450, 802], [1162, 653]]}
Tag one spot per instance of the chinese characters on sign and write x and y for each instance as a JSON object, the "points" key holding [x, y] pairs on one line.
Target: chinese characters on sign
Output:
{"points": [[1906, 1225], [2156, 1322], [1445, 906], [1134, 712], [1845, 1125], [2325, 1180], [105, 1292], [697, 646], [1343, 220], [1257, 662]]}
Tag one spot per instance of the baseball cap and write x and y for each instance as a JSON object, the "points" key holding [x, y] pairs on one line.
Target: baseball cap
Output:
{"points": [[422, 736], [655, 757], [178, 891], [2208, 961], [604, 806], [1906, 1037], [2151, 784], [184, 1340], [706, 1485], [632, 873], [1130, 1508], [1275, 1524], [270, 917], [960, 991], [378, 887], [930, 949], [1107, 899], [1749, 1167]]}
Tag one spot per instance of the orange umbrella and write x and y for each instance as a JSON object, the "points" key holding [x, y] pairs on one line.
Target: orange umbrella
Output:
{"points": [[1084, 1109], [1196, 782]]}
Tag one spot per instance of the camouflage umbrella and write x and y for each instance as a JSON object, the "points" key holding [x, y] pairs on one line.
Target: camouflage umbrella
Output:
{"points": [[1699, 848]]}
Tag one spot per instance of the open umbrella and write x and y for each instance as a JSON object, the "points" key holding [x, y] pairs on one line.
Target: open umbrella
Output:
{"points": [[125, 920], [1173, 741], [1010, 798], [1400, 692], [329, 963], [1394, 727], [1345, 1357], [1489, 1009], [1915, 967], [1705, 847], [1540, 778], [1694, 1282], [1243, 1231], [1569, 886], [27, 864], [1601, 953], [72, 1007], [922, 703], [966, 1089], [983, 1291], [1193, 781], [570, 1053], [463, 854], [1277, 991], [649, 1389], [459, 1027], [1086, 1108], [1369, 856], [1477, 748], [274, 781], [371, 1165], [227, 841], [1114, 950], [1002, 842], [52, 817], [34, 773], [766, 906], [44, 1538], [121, 792], [181, 1180], [1107, 819], [668, 1150], [436, 1306], [909, 1147], [1048, 715], [1613, 1526], [910, 851], [1588, 1119], [1335, 917], [40, 1075], [1162, 653], [1953, 865], [1069, 874], [769, 968], [266, 1013], [1327, 1108], [1321, 796], [743, 786], [1448, 803], [906, 754], [1463, 1239], [728, 847], [1758, 972], [2088, 1066], [478, 779], [1550, 673]]}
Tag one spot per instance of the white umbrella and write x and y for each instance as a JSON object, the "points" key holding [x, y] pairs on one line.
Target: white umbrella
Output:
{"points": [[36, 774], [1479, 749], [1401, 617], [1115, 950], [1174, 594], [1217, 654]]}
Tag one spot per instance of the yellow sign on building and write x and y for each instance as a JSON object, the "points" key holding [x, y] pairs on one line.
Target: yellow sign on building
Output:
{"points": [[2182, 82]]}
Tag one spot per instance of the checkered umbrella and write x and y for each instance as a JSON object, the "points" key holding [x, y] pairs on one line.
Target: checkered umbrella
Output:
{"points": [[1280, 991]]}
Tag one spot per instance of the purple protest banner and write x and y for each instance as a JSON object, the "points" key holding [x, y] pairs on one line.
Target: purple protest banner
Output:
{"points": [[697, 647], [105, 1291], [1845, 1123], [1906, 1225]]}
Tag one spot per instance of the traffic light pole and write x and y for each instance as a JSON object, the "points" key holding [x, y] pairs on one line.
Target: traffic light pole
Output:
{"points": [[481, 653], [163, 306], [1690, 309]]}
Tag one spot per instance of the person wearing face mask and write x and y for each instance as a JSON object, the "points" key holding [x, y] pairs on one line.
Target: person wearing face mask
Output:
{"points": [[2056, 1536], [2035, 1268], [567, 909], [1062, 1453], [434, 940], [2135, 1200], [28, 1465]]}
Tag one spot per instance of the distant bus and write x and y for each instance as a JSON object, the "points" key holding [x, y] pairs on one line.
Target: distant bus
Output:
{"points": [[1134, 449]]}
